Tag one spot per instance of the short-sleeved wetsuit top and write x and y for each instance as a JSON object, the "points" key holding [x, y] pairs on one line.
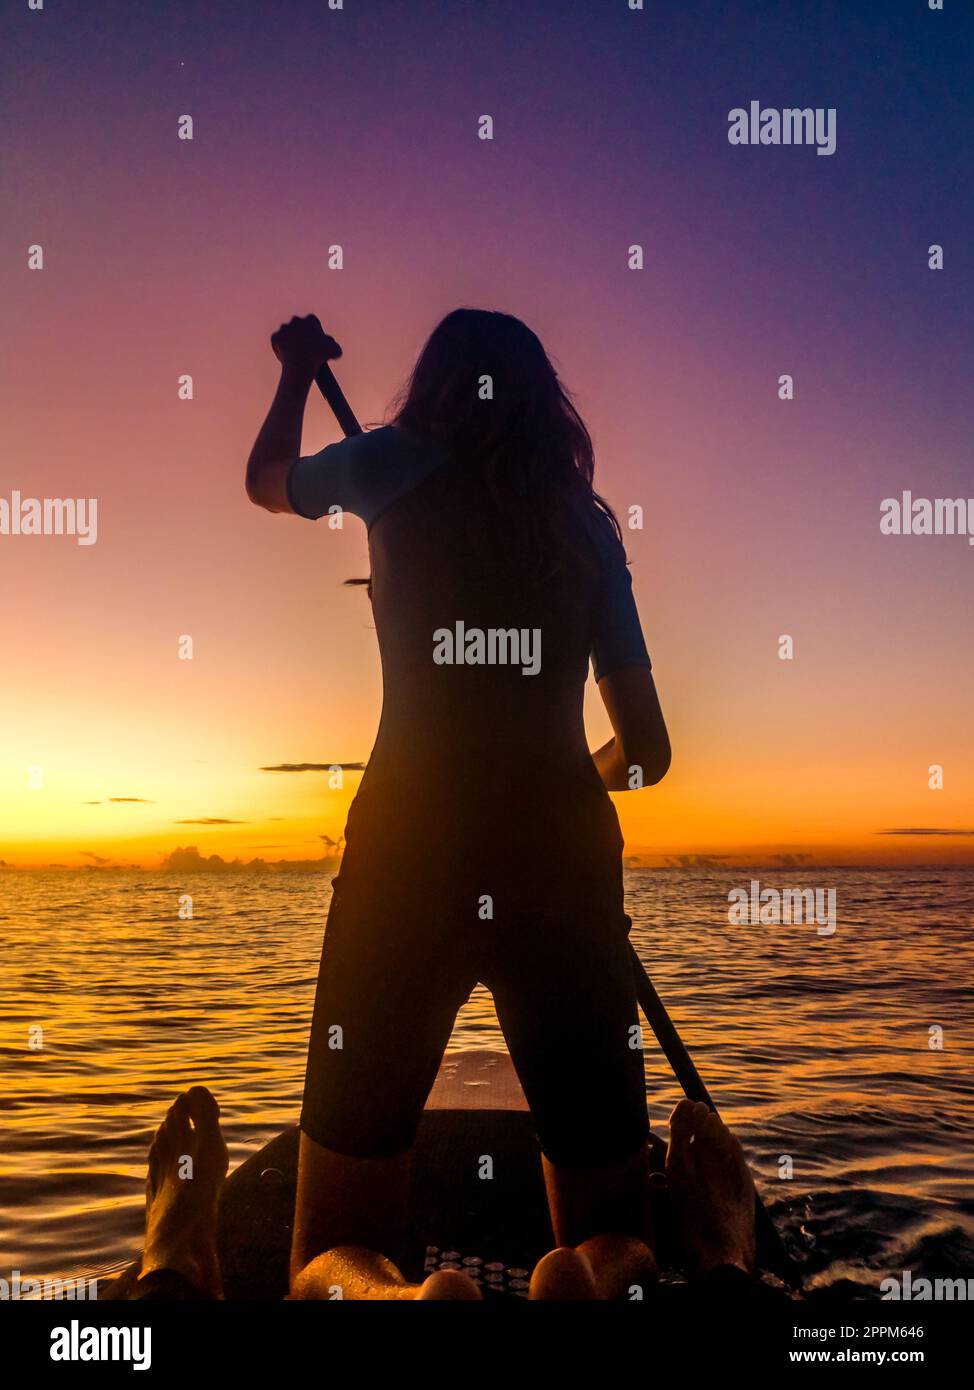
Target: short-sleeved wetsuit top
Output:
{"points": [[482, 843], [438, 583]]}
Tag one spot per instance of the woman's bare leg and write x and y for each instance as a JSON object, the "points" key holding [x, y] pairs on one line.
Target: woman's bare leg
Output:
{"points": [[587, 1202], [601, 1220]]}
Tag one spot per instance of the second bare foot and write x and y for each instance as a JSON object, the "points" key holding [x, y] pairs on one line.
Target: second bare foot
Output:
{"points": [[712, 1190]]}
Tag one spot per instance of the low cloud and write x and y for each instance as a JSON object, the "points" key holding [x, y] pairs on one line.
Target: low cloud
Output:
{"points": [[924, 830], [696, 861], [314, 767], [188, 860], [144, 799], [211, 820], [95, 858]]}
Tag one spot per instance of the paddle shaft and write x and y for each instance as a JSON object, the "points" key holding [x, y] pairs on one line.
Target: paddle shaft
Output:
{"points": [[774, 1256], [771, 1250], [335, 396]]}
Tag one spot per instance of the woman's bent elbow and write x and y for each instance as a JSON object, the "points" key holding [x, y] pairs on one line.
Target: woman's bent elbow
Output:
{"points": [[651, 767], [267, 487]]}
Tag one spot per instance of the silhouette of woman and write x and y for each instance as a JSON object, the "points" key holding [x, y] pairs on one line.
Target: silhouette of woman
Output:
{"points": [[482, 844]]}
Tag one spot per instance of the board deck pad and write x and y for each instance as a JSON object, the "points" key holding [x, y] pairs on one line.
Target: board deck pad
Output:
{"points": [[478, 1079]]}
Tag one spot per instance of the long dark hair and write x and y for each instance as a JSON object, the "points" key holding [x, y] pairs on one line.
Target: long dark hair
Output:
{"points": [[519, 430]]}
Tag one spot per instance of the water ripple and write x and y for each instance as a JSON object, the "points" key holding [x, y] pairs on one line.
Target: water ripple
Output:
{"points": [[818, 1050]]}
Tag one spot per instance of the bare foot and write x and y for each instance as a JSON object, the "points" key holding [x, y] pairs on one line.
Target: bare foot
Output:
{"points": [[712, 1189], [563, 1274], [353, 1273], [187, 1165], [618, 1263]]}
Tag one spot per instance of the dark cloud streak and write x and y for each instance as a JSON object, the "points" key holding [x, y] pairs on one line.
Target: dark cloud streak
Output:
{"points": [[924, 830], [211, 820], [314, 767]]}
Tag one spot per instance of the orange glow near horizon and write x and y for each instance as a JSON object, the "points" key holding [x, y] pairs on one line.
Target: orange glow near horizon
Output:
{"points": [[124, 809]]}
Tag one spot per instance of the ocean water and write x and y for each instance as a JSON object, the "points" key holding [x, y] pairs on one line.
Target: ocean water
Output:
{"points": [[817, 1049]]}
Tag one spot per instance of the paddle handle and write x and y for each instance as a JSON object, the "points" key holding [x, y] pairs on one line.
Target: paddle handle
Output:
{"points": [[771, 1249]]}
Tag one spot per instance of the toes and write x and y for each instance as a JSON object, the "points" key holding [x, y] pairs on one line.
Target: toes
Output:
{"points": [[711, 1129], [176, 1126], [204, 1111], [685, 1123], [155, 1164], [172, 1134], [681, 1122], [565, 1275], [178, 1113], [733, 1157], [210, 1143], [617, 1263], [688, 1128], [171, 1139], [450, 1284], [711, 1132], [702, 1115]]}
